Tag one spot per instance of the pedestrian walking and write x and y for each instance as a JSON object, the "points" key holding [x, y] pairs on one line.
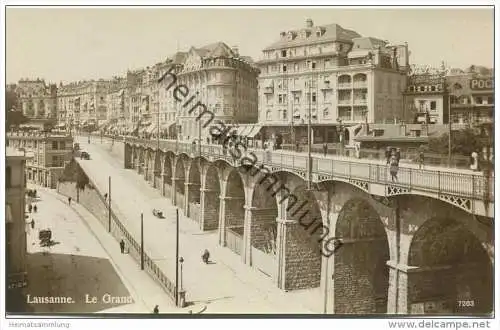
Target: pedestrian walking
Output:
{"points": [[205, 256], [156, 310], [105, 196], [69, 200], [394, 168], [122, 246], [325, 149], [30, 208], [35, 209], [421, 160], [388, 155], [32, 223]]}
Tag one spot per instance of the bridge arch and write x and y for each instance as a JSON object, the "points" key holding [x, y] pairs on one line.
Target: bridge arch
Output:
{"points": [[178, 183], [233, 217], [452, 272], [157, 169], [263, 228], [211, 198], [361, 277], [168, 162], [193, 190]]}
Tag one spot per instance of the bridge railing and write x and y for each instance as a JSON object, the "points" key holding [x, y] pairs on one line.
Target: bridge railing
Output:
{"points": [[447, 182]]}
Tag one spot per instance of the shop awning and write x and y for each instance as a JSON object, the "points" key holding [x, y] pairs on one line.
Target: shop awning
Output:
{"points": [[254, 131]]}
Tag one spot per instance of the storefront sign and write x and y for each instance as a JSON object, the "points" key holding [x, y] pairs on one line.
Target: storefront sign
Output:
{"points": [[482, 84]]}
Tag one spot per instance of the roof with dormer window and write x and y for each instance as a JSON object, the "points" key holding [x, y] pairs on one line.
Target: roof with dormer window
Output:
{"points": [[332, 32]]}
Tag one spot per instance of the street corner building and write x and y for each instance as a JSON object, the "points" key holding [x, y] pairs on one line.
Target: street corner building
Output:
{"points": [[48, 152], [15, 230]]}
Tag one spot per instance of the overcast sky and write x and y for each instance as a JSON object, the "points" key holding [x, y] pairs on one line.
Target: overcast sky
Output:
{"points": [[67, 44]]}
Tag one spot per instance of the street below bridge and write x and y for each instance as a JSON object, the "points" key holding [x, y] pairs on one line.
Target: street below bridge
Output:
{"points": [[227, 285]]}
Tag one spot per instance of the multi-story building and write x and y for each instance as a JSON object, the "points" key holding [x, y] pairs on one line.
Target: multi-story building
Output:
{"points": [[37, 101], [50, 154], [426, 96], [117, 105], [336, 75], [472, 96], [83, 104], [15, 223], [220, 79], [167, 103]]}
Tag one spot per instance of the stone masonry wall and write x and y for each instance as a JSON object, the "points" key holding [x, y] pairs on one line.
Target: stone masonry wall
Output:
{"points": [[168, 190], [211, 210], [303, 261], [235, 215], [361, 277], [263, 227]]}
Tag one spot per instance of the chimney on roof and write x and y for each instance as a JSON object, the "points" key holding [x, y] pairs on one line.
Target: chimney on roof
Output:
{"points": [[309, 23], [235, 50]]}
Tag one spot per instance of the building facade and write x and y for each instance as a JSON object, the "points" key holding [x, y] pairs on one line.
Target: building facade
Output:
{"points": [[83, 104], [116, 106], [426, 97], [336, 75], [50, 153], [221, 80], [15, 224], [37, 100], [472, 97]]}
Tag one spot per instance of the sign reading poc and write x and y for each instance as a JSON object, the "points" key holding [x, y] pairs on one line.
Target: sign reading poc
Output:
{"points": [[482, 84]]}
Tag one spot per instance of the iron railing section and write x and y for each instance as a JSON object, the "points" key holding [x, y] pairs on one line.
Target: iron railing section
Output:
{"points": [[446, 182]]}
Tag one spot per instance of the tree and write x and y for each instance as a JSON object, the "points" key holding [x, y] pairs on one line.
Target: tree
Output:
{"points": [[14, 118], [464, 142]]}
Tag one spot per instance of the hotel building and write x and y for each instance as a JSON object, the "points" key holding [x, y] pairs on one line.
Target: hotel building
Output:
{"points": [[50, 153], [219, 78], [338, 76], [117, 106]]}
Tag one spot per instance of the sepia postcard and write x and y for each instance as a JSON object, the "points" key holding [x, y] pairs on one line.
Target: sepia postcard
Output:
{"points": [[334, 162]]}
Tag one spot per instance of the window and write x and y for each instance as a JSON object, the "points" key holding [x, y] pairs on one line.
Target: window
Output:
{"points": [[313, 100], [327, 63], [285, 114], [326, 113], [283, 53], [433, 105], [490, 100], [62, 145], [284, 67], [479, 100], [268, 114], [313, 65], [8, 177], [296, 99], [54, 145]]}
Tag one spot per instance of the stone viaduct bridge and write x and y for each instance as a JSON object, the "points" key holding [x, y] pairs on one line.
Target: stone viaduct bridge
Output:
{"points": [[422, 245]]}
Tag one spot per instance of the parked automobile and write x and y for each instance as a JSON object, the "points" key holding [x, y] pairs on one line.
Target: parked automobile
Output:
{"points": [[84, 155]]}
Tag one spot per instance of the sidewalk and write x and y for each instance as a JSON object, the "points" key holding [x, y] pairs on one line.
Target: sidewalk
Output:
{"points": [[228, 286], [145, 292]]}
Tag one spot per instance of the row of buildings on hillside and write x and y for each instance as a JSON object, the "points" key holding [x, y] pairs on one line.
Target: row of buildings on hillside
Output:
{"points": [[327, 75]]}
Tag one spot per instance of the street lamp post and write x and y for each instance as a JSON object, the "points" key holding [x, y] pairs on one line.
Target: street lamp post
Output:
{"points": [[181, 261], [177, 257], [142, 241], [340, 130], [309, 130]]}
